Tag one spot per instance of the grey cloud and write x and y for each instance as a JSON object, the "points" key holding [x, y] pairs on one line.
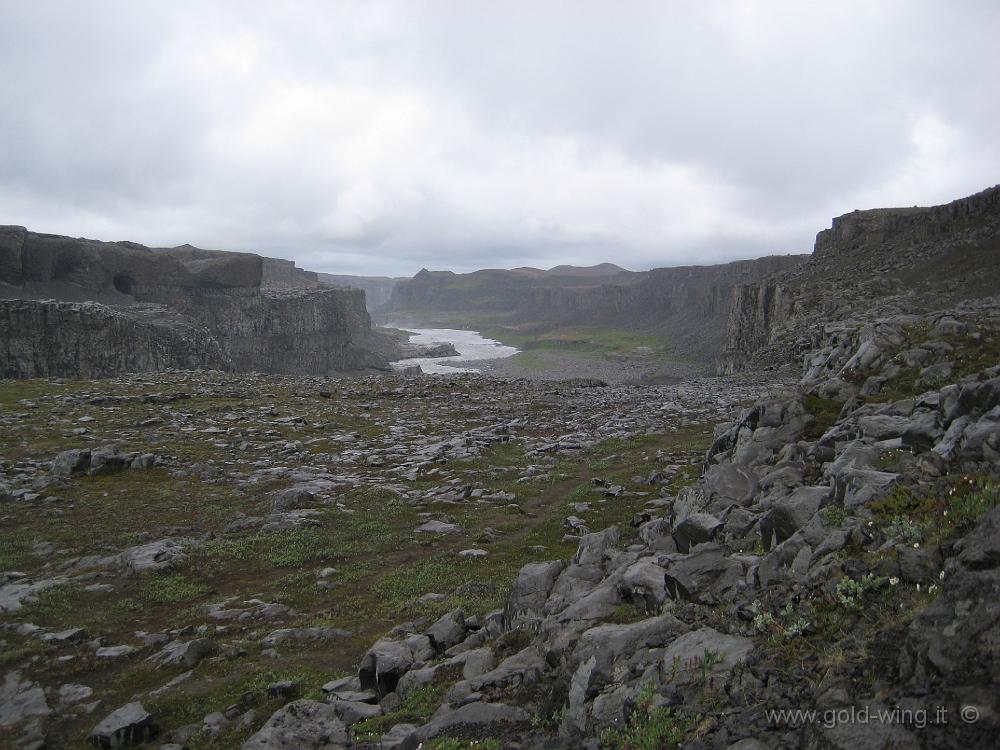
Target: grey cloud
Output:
{"points": [[380, 137]]}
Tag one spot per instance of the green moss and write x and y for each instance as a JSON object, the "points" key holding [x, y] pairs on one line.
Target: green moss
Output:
{"points": [[172, 589], [625, 614], [485, 582], [824, 416]]}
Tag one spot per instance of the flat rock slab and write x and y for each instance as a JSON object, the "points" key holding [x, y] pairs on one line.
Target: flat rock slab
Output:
{"points": [[187, 654], [476, 716], [21, 699], [303, 634], [153, 557], [438, 527], [14, 595], [301, 725], [729, 650]]}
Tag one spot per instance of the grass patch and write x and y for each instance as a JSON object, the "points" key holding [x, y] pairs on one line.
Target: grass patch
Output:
{"points": [[484, 583], [451, 743], [172, 589], [580, 340], [650, 728], [418, 706]]}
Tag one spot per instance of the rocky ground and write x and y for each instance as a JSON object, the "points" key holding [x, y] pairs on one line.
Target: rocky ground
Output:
{"points": [[208, 560], [191, 540], [617, 369]]}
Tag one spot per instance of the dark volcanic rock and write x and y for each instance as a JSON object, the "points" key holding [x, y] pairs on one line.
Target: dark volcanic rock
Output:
{"points": [[129, 725], [130, 308]]}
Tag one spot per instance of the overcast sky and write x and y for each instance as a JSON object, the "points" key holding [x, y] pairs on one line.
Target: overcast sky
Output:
{"points": [[382, 137]]}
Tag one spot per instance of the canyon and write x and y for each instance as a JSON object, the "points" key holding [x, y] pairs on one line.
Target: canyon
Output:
{"points": [[215, 536]]}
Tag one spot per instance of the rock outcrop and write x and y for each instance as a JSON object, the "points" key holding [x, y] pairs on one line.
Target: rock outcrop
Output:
{"points": [[129, 308], [282, 274], [90, 340], [855, 515], [377, 289], [877, 262]]}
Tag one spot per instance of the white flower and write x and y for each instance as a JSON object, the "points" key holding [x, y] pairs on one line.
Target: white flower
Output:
{"points": [[918, 587], [916, 545], [932, 588], [941, 576], [893, 581]]}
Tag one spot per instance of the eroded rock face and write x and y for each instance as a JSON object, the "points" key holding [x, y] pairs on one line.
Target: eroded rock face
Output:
{"points": [[131, 308], [90, 340], [689, 304], [867, 260]]}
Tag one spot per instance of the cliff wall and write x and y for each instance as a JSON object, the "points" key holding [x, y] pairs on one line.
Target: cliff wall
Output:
{"points": [[687, 305], [294, 331], [883, 261], [377, 289], [217, 300], [91, 340], [280, 273]]}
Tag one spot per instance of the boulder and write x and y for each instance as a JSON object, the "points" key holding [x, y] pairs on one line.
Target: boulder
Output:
{"points": [[153, 557], [695, 529], [301, 725], [791, 514], [728, 650], [187, 654], [702, 576], [448, 630], [388, 660], [129, 725], [530, 591], [71, 463]]}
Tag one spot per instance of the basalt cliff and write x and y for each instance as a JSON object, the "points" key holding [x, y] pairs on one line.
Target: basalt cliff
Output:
{"points": [[880, 261], [82, 308], [687, 306]]}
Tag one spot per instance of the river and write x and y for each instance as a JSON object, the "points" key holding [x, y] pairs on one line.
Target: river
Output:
{"points": [[469, 344]]}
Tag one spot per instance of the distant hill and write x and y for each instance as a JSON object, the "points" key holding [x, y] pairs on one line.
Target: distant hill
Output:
{"points": [[688, 306]]}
